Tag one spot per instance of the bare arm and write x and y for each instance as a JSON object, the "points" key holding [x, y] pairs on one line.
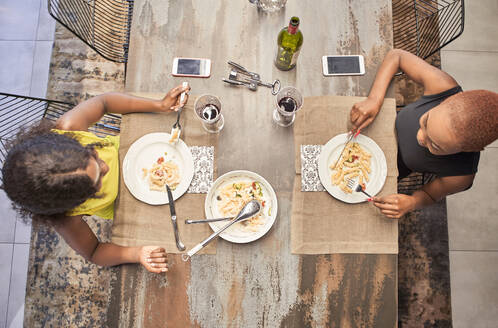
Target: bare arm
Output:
{"points": [[395, 206], [80, 237], [431, 78], [91, 111]]}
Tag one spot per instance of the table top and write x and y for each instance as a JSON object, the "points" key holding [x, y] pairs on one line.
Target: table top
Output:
{"points": [[259, 284]]}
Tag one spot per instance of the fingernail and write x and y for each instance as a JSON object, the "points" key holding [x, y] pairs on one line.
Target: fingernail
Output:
{"points": [[164, 269], [370, 199], [149, 260], [152, 264]]}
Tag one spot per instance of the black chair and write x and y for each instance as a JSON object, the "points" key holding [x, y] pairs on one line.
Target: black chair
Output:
{"points": [[423, 27], [104, 25], [17, 112]]}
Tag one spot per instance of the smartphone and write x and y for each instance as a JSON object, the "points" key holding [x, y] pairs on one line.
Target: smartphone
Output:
{"points": [[191, 67], [343, 65]]}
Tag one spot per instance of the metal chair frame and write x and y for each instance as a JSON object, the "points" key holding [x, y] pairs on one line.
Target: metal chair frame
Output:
{"points": [[423, 27], [104, 25]]}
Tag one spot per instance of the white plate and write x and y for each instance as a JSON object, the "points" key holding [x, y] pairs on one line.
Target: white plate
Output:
{"points": [[236, 233], [143, 153], [330, 153]]}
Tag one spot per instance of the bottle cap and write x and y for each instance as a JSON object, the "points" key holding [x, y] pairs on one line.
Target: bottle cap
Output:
{"points": [[294, 21]]}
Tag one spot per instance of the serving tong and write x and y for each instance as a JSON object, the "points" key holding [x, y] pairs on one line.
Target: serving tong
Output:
{"points": [[241, 76], [249, 210]]}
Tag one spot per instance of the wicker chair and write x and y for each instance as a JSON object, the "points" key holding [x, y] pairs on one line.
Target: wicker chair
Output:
{"points": [[104, 25], [423, 27], [18, 112]]}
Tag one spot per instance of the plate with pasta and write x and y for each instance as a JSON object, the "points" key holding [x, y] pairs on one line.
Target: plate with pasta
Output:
{"points": [[362, 161], [229, 193], [152, 162]]}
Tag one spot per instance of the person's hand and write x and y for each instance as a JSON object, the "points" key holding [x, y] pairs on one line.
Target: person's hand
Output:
{"points": [[171, 102], [363, 113], [395, 206], [154, 258]]}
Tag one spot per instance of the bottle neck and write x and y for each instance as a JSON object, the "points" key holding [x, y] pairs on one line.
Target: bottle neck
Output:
{"points": [[292, 29]]}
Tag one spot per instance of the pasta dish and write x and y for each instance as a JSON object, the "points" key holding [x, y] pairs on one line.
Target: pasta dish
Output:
{"points": [[161, 174], [233, 197], [354, 164]]}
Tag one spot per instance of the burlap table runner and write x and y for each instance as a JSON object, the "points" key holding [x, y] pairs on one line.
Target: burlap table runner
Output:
{"points": [[137, 223], [321, 224]]}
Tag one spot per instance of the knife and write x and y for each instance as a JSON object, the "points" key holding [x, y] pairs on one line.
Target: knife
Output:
{"points": [[179, 244]]}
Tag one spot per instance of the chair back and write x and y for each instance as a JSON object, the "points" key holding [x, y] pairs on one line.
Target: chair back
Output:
{"points": [[104, 25], [423, 27]]}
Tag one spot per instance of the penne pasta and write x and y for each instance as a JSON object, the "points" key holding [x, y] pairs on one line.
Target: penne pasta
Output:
{"points": [[353, 164]]}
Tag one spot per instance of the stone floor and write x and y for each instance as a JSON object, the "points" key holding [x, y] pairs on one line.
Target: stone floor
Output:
{"points": [[26, 40]]}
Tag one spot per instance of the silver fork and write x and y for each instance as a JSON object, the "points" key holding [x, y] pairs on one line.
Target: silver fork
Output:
{"points": [[354, 185], [182, 97]]}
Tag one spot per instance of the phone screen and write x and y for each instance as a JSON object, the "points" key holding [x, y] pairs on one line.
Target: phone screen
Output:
{"points": [[343, 65], [189, 66]]}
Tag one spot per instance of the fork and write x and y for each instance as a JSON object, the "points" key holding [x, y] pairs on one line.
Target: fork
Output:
{"points": [[189, 221], [177, 126], [354, 185], [350, 136], [182, 97]]}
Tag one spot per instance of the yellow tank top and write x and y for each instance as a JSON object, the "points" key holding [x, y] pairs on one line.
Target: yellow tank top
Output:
{"points": [[104, 206]]}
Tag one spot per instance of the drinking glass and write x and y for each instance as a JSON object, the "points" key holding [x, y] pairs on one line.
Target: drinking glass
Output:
{"points": [[269, 5], [287, 102], [208, 110]]}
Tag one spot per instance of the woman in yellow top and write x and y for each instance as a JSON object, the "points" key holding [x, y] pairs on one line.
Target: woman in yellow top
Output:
{"points": [[57, 174]]}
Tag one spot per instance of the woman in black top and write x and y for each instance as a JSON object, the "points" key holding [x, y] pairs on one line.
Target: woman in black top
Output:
{"points": [[441, 133]]}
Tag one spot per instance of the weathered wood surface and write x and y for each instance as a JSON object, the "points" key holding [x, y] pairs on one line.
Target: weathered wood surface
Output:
{"points": [[260, 284]]}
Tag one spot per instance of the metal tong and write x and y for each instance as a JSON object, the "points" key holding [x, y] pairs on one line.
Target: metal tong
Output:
{"points": [[249, 210], [249, 79]]}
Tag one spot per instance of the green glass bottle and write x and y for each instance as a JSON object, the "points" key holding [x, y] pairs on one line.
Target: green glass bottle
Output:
{"points": [[289, 42]]}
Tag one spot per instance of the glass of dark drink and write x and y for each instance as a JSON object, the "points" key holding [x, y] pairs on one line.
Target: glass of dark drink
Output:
{"points": [[288, 101], [208, 110]]}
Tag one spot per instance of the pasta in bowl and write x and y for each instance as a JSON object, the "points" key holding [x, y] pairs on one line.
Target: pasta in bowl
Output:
{"points": [[233, 197], [362, 160], [230, 193], [151, 162], [353, 164]]}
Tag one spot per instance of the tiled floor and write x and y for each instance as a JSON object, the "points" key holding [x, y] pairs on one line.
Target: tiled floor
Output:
{"points": [[473, 215], [26, 37]]}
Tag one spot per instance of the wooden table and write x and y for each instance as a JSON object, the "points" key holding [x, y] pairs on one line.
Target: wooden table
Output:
{"points": [[259, 284]]}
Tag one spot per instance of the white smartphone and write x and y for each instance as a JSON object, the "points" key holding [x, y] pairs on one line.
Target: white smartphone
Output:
{"points": [[191, 67], [343, 65]]}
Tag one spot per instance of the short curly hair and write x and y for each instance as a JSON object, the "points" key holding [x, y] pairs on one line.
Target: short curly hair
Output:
{"points": [[474, 118], [44, 173]]}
